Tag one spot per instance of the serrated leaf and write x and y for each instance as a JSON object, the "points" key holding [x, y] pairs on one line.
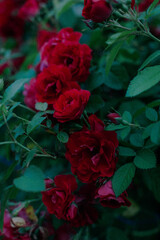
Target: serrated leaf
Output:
{"points": [[13, 89], [150, 59], [137, 140], [29, 157], [125, 151], [41, 106], [19, 130], [123, 178], [35, 122], [124, 132], [63, 137], [31, 181], [155, 133], [112, 55], [145, 80], [151, 114], [145, 159], [127, 116]]}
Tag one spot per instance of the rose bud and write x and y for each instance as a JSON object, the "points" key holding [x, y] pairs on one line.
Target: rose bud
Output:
{"points": [[96, 10], [113, 117], [108, 199]]}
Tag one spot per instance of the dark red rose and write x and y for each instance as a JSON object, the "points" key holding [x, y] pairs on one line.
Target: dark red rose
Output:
{"points": [[30, 94], [64, 36], [113, 117], [70, 105], [84, 211], [96, 10], [44, 36], [58, 196], [52, 82], [75, 56], [108, 199], [29, 9], [92, 153], [143, 5], [65, 232]]}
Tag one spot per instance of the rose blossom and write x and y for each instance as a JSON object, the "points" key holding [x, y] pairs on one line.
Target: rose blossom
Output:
{"points": [[70, 105], [52, 82], [96, 10], [92, 153], [64, 36], [84, 211], [58, 196], [113, 117], [29, 9], [75, 56], [30, 93], [108, 199]]}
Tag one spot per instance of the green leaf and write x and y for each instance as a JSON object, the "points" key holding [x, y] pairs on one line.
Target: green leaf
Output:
{"points": [[150, 59], [41, 106], [31, 181], [63, 137], [137, 140], [151, 114], [29, 157], [19, 130], [13, 89], [35, 122], [145, 79], [145, 159], [123, 178], [127, 152], [95, 103], [124, 132], [127, 117], [116, 234], [112, 55], [5, 196], [155, 133]]}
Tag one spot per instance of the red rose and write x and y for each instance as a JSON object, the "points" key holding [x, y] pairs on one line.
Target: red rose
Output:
{"points": [[143, 6], [30, 94], [52, 82], [108, 198], [65, 35], [85, 212], [75, 56], [96, 10], [65, 232], [70, 105], [58, 195], [29, 9], [113, 117], [44, 36], [92, 153]]}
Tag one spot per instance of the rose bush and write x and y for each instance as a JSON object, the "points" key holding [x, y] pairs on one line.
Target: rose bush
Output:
{"points": [[79, 120]]}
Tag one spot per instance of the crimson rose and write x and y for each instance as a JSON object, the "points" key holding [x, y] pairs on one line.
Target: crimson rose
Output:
{"points": [[108, 198], [75, 56], [58, 195], [52, 82], [96, 10], [30, 94], [92, 153], [70, 105]]}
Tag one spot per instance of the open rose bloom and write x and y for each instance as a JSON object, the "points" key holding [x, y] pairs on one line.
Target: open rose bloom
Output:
{"points": [[80, 119]]}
